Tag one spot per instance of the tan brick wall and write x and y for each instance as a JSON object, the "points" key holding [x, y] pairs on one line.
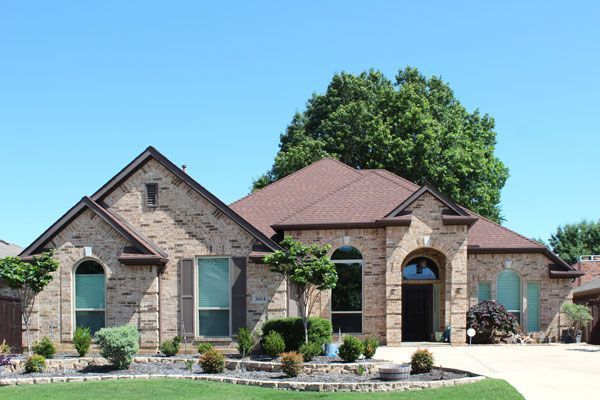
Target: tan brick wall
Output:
{"points": [[591, 269], [530, 267], [260, 281]]}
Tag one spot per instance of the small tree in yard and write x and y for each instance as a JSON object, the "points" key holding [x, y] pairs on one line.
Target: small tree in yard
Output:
{"points": [[305, 268], [578, 314], [28, 279]]}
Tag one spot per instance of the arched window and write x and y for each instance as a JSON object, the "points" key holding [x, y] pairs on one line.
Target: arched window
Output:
{"points": [[346, 297], [89, 295], [420, 269], [508, 292]]}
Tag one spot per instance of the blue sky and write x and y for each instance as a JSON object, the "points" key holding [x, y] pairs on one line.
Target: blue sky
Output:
{"points": [[86, 86]]}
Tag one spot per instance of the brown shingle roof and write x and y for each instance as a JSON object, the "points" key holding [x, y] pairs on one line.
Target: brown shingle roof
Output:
{"points": [[330, 193]]}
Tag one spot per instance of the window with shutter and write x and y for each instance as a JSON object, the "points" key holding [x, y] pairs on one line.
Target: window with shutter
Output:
{"points": [[214, 297], [90, 293], [152, 194]]}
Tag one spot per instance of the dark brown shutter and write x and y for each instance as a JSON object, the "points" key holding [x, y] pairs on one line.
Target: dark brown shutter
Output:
{"points": [[186, 276], [238, 294]]}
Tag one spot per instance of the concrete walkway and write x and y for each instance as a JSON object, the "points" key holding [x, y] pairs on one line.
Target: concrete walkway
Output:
{"points": [[553, 371]]}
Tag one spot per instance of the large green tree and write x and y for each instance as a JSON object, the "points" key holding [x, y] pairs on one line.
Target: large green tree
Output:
{"points": [[573, 240], [414, 127]]}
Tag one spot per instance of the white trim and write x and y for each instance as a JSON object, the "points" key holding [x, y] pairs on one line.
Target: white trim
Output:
{"points": [[197, 297]]}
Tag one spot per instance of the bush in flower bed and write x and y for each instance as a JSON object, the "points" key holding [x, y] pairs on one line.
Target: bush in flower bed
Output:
{"points": [[44, 348], [118, 345], [273, 344], [291, 363], [4, 348], [311, 350], [82, 339], [489, 318], [421, 361], [212, 362], [292, 331], [351, 348], [370, 347], [170, 347], [245, 341], [35, 363], [204, 347]]}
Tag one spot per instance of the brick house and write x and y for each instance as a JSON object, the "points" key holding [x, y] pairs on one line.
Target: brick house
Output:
{"points": [[154, 248]]}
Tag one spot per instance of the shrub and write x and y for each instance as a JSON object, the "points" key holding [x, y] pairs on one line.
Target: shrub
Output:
{"points": [[212, 362], [421, 361], [35, 363], [189, 365], [170, 347], [82, 340], [273, 344], [370, 347], [245, 341], [578, 314], [489, 318], [292, 331], [351, 349], [291, 363], [44, 348], [311, 350], [118, 345], [204, 347], [4, 348]]}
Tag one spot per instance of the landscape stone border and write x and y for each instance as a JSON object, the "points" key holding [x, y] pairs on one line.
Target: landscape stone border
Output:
{"points": [[272, 384]]}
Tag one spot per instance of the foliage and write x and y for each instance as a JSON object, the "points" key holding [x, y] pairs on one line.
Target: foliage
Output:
{"points": [[489, 318], [245, 341], [573, 240], [414, 127], [273, 344], [361, 370], [204, 347], [307, 269], [370, 347], [578, 314], [291, 363], [292, 331], [35, 363], [5, 359], [351, 348], [421, 361], [4, 348], [311, 350], [44, 347], [118, 345], [170, 347], [82, 340], [28, 279], [189, 365], [212, 362]]}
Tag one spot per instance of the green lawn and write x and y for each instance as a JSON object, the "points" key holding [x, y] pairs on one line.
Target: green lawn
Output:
{"points": [[489, 389]]}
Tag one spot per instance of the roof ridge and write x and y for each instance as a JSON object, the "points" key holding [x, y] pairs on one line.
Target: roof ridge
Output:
{"points": [[380, 171], [331, 193], [290, 175]]}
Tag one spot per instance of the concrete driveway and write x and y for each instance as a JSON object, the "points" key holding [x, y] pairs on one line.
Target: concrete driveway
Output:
{"points": [[553, 371]]}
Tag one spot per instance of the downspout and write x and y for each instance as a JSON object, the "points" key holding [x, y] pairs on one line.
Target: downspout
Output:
{"points": [[158, 277]]}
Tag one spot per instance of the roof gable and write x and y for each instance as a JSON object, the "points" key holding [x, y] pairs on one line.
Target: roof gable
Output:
{"points": [[417, 194]]}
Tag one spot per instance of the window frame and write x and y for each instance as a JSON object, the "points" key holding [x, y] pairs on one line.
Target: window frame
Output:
{"points": [[146, 186], [520, 311], [362, 291], [74, 293], [197, 297]]}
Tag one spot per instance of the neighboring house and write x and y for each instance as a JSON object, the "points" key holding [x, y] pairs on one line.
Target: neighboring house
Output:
{"points": [[7, 249], [587, 292], [10, 310], [153, 248]]}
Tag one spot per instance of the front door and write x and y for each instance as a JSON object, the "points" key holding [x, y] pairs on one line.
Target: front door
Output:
{"points": [[417, 312]]}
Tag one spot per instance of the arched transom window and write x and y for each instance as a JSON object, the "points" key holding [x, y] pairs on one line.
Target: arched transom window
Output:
{"points": [[420, 269], [90, 290], [508, 292], [346, 297]]}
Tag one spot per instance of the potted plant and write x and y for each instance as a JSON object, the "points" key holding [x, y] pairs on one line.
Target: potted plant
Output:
{"points": [[579, 315]]}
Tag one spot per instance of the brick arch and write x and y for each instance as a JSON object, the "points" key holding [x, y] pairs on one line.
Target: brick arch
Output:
{"points": [[338, 242]]}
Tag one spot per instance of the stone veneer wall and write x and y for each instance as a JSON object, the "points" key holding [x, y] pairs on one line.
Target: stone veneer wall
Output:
{"points": [[531, 267]]}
